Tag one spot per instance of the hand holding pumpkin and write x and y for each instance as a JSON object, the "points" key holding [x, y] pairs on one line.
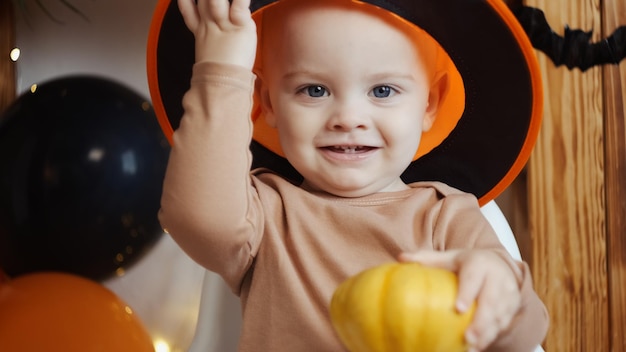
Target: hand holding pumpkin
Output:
{"points": [[485, 278], [400, 307]]}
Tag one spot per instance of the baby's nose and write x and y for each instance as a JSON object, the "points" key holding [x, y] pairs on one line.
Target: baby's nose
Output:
{"points": [[348, 116]]}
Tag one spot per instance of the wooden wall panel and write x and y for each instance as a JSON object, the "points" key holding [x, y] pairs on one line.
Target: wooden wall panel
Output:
{"points": [[7, 42], [615, 154], [567, 195]]}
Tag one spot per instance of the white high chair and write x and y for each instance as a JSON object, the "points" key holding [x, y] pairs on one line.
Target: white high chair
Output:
{"points": [[219, 316]]}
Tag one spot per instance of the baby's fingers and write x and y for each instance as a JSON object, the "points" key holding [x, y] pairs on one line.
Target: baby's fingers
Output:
{"points": [[470, 281], [215, 10], [470, 285], [444, 260], [225, 14], [189, 11], [240, 12], [496, 308]]}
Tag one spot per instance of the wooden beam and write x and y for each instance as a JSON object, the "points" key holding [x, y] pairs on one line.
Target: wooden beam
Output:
{"points": [[567, 196], [614, 12], [7, 42]]}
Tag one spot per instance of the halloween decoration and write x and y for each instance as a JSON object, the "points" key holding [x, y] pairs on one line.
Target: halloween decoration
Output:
{"points": [[399, 307], [63, 312], [574, 49], [81, 164]]}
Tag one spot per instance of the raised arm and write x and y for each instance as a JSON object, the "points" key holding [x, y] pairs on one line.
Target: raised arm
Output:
{"points": [[207, 204]]}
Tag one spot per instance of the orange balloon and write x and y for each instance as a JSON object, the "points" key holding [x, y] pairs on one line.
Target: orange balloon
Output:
{"points": [[65, 312]]}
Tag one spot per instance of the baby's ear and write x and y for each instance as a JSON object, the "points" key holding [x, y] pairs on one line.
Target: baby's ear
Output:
{"points": [[438, 91], [262, 92]]}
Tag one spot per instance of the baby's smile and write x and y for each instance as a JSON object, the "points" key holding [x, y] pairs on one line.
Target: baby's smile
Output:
{"points": [[349, 149]]}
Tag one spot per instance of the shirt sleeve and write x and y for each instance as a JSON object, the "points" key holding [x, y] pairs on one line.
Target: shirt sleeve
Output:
{"points": [[208, 204]]}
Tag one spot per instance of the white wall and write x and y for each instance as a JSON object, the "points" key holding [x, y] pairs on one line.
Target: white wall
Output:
{"points": [[112, 43]]}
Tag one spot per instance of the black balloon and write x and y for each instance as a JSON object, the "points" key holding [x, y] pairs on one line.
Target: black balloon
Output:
{"points": [[82, 161]]}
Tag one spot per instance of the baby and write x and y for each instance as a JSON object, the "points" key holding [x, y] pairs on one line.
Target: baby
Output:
{"points": [[350, 89]]}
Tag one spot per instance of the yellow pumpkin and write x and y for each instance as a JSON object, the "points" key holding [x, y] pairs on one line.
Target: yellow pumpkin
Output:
{"points": [[400, 307]]}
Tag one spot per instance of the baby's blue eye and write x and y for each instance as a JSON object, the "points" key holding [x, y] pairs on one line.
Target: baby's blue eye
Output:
{"points": [[382, 91], [316, 91]]}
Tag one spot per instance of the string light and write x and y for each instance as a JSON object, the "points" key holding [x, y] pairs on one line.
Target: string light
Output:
{"points": [[15, 54], [161, 346]]}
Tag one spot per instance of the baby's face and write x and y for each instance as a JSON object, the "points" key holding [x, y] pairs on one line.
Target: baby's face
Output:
{"points": [[349, 98]]}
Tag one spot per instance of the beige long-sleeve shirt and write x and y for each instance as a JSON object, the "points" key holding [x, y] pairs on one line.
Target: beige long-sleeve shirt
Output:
{"points": [[284, 249]]}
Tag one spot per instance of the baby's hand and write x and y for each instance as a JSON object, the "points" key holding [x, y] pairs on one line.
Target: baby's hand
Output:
{"points": [[484, 277], [225, 33]]}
